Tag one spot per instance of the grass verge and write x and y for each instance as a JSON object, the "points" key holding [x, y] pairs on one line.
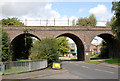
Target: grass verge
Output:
{"points": [[112, 61], [93, 62], [73, 58]]}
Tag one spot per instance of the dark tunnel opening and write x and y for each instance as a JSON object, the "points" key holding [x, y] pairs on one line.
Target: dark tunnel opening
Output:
{"points": [[21, 45]]}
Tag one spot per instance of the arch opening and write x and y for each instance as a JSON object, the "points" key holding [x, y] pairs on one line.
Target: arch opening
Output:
{"points": [[21, 46], [105, 48], [79, 45]]}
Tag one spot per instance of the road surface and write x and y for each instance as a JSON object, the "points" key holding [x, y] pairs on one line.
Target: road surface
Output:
{"points": [[81, 70]]}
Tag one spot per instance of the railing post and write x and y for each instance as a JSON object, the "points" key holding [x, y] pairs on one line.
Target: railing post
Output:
{"points": [[54, 21], [40, 22], [26, 22], [68, 21], [30, 65], [2, 68]]}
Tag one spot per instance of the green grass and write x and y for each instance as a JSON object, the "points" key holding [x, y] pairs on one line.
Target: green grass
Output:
{"points": [[93, 62], [95, 56], [23, 60], [113, 61], [73, 58]]}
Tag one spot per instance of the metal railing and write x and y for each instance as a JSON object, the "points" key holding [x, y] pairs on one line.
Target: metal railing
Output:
{"points": [[22, 66], [54, 22]]}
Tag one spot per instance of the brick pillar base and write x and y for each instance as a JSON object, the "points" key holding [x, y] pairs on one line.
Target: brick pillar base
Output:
{"points": [[87, 56]]}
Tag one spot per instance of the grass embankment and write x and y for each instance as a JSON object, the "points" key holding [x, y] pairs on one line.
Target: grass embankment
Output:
{"points": [[109, 61]]}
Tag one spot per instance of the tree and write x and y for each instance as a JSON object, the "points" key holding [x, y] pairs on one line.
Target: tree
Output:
{"points": [[104, 50], [83, 21], [116, 24], [45, 49], [11, 22], [73, 22], [63, 45], [91, 21], [5, 46], [109, 23]]}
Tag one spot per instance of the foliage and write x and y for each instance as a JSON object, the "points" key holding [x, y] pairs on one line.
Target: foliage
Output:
{"points": [[109, 23], [104, 50], [11, 22], [116, 24], [91, 21], [21, 47], [28, 45], [73, 22], [63, 45], [45, 49], [0, 43], [5, 46]]}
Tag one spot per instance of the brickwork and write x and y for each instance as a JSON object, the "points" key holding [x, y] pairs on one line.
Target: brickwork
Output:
{"points": [[81, 35]]}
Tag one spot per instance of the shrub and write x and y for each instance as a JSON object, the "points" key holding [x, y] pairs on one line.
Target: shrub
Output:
{"points": [[45, 49]]}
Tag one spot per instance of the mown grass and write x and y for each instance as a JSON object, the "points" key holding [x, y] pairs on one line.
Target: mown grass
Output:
{"points": [[73, 58], [94, 56], [112, 61], [109, 61], [93, 62]]}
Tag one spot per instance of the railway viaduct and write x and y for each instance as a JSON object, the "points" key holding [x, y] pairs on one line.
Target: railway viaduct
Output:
{"points": [[82, 36]]}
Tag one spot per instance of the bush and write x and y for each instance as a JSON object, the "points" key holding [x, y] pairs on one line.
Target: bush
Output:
{"points": [[45, 49], [5, 46], [104, 50]]}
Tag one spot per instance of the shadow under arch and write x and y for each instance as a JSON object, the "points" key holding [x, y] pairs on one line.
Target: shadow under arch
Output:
{"points": [[109, 39], [17, 45], [79, 44]]}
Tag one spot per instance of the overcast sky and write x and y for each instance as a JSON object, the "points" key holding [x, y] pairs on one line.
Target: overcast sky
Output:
{"points": [[58, 9]]}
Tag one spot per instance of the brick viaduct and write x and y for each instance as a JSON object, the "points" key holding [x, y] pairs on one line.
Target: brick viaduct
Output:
{"points": [[82, 36]]}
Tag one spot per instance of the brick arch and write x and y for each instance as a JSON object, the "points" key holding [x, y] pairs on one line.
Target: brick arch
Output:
{"points": [[79, 44], [18, 43], [22, 34], [109, 38]]}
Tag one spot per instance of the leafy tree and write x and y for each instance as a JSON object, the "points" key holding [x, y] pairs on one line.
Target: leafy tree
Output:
{"points": [[91, 21], [104, 50], [116, 24], [5, 46], [45, 49], [73, 22], [0, 44], [63, 45], [109, 23], [83, 22], [11, 22]]}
